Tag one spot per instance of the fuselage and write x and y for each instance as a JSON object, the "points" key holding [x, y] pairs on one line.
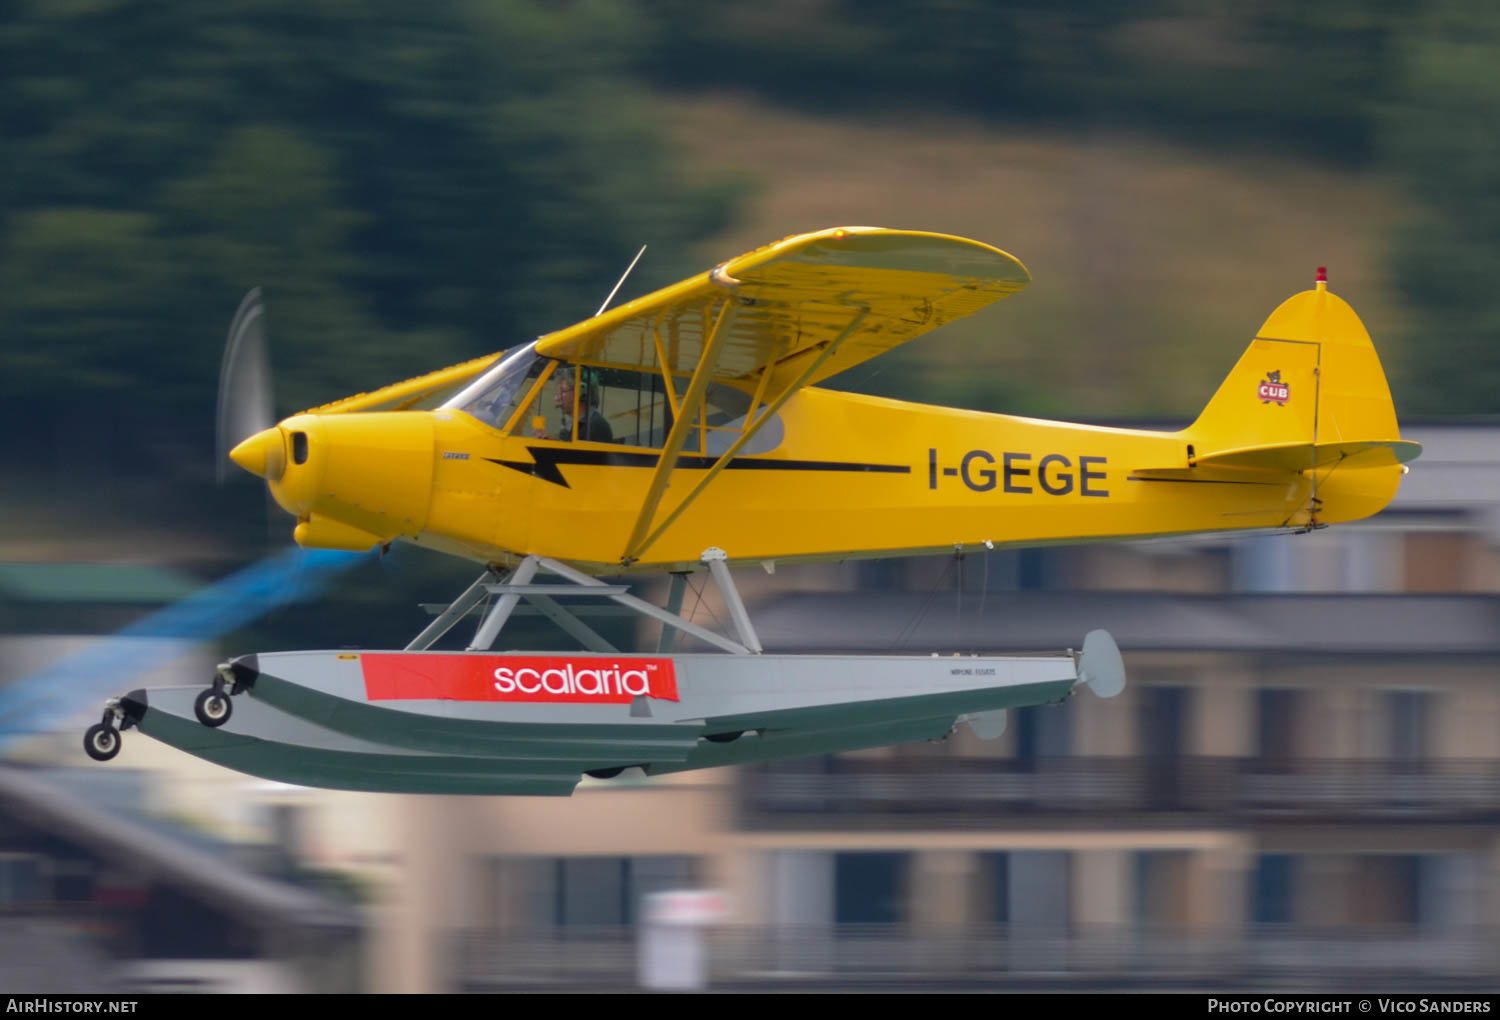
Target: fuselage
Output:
{"points": [[608, 444], [851, 476]]}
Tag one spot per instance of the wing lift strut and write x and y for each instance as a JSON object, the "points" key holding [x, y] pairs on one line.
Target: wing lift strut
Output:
{"points": [[690, 411], [506, 591]]}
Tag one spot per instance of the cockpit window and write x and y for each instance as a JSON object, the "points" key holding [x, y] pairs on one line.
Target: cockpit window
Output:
{"points": [[494, 396], [634, 407], [613, 405], [726, 418]]}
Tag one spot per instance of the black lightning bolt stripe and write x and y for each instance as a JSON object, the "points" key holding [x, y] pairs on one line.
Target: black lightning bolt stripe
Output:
{"points": [[548, 459]]}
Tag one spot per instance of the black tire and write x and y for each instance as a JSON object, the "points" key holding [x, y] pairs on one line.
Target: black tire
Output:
{"points": [[725, 738], [101, 741], [213, 708], [609, 773]]}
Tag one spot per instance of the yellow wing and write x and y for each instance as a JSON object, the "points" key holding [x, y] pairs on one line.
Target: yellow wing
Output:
{"points": [[794, 299], [418, 393]]}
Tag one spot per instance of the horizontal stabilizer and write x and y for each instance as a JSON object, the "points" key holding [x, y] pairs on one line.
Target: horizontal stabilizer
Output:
{"points": [[1304, 456]]}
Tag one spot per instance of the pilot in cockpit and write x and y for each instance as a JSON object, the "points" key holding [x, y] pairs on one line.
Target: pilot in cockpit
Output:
{"points": [[593, 426]]}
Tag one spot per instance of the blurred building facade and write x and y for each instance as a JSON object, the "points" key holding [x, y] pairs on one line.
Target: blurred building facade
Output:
{"points": [[96, 895], [155, 873], [1299, 787]]}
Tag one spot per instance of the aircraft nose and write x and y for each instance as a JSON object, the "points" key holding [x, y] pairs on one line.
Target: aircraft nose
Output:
{"points": [[263, 454]]}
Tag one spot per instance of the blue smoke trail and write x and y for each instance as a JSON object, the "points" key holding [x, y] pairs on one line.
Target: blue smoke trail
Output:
{"points": [[79, 683]]}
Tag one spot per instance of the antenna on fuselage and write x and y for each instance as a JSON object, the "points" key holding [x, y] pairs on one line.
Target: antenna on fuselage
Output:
{"points": [[625, 276]]}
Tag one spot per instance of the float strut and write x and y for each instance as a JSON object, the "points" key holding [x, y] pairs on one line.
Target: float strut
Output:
{"points": [[459, 608], [489, 629], [668, 639], [714, 557]]}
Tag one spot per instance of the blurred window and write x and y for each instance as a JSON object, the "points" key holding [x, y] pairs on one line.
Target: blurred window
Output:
{"points": [[1163, 730], [995, 868], [1162, 887], [20, 879], [1277, 713], [1032, 569], [1039, 894], [1264, 564], [1439, 561], [1162, 719], [1271, 889], [1389, 889], [1408, 712], [72, 881], [1042, 731], [869, 888], [593, 891], [801, 890], [606, 891], [1451, 890]]}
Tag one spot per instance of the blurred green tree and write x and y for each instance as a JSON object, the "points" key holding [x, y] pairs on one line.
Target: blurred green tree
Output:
{"points": [[412, 185], [1442, 140], [1306, 77]]}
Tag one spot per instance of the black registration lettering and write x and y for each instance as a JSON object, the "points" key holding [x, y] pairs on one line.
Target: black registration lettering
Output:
{"points": [[1011, 471], [1062, 482], [985, 476], [1085, 476]]}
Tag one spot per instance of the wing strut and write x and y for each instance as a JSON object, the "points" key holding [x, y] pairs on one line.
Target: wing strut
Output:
{"points": [[666, 371], [692, 400], [635, 548]]}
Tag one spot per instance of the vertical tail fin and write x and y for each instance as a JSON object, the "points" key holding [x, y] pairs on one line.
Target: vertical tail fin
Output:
{"points": [[1310, 377], [1309, 398]]}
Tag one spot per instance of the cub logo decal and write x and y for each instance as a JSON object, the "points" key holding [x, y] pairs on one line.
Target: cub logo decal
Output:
{"points": [[1273, 390]]}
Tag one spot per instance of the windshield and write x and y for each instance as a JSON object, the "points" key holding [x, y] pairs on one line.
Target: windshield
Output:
{"points": [[492, 398]]}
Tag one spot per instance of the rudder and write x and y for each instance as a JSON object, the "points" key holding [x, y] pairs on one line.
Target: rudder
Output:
{"points": [[1307, 398], [1310, 376]]}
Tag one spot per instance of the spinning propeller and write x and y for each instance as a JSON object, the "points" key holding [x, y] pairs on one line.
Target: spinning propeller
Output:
{"points": [[245, 397]]}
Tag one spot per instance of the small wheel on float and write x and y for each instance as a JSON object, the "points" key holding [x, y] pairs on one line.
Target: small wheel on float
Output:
{"points": [[213, 707], [101, 741]]}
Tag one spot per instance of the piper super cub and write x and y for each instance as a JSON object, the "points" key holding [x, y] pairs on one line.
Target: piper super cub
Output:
{"points": [[684, 432]]}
